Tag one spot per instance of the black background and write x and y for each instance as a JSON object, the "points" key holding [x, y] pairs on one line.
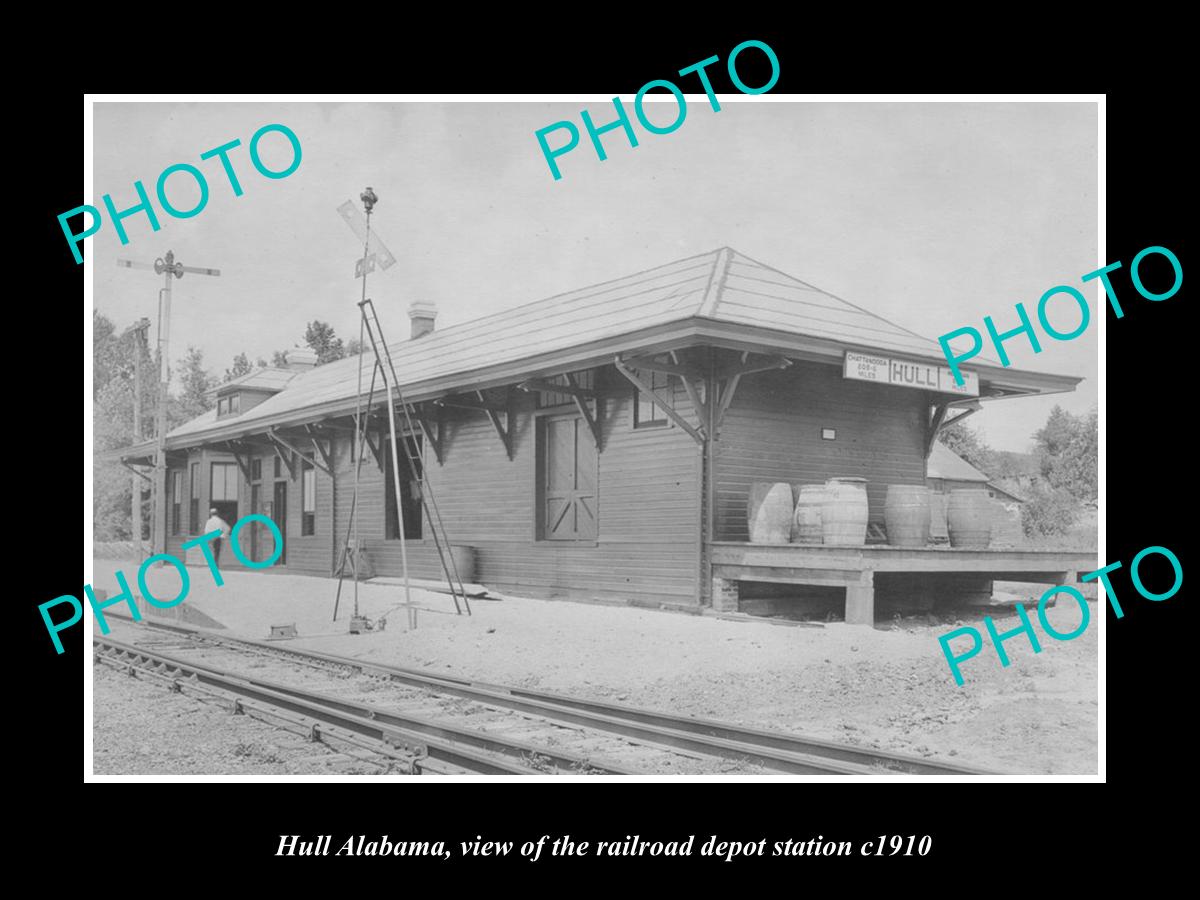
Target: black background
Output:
{"points": [[978, 830]]}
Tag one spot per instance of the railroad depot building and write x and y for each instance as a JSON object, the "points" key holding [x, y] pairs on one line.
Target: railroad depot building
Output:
{"points": [[601, 444]]}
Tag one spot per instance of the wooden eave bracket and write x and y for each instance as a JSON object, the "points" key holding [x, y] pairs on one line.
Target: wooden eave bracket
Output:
{"points": [[375, 448], [624, 368], [325, 452], [580, 396], [503, 429], [432, 429], [321, 464], [139, 474], [748, 366], [543, 386], [280, 446], [729, 377], [939, 419], [687, 377]]}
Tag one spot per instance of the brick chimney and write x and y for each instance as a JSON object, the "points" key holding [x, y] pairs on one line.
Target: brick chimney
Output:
{"points": [[422, 313], [301, 359]]}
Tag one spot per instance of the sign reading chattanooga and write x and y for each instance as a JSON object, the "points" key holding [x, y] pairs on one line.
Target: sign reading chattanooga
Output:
{"points": [[906, 373]]}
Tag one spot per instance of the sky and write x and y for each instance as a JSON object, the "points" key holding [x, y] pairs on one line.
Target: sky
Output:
{"points": [[932, 215]]}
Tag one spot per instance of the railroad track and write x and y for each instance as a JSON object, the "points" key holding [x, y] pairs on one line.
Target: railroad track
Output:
{"points": [[465, 725]]}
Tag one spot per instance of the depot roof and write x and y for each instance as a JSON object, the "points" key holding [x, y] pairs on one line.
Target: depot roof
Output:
{"points": [[722, 298]]}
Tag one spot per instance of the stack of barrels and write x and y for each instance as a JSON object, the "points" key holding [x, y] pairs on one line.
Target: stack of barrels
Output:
{"points": [[836, 513], [831, 513]]}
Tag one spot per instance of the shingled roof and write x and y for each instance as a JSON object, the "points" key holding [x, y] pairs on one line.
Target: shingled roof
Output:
{"points": [[945, 463], [262, 378], [720, 288]]}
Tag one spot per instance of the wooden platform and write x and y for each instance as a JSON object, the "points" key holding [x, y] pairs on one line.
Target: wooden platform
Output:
{"points": [[854, 568]]}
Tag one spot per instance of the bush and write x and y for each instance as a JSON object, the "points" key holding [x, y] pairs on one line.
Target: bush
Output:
{"points": [[1049, 511]]}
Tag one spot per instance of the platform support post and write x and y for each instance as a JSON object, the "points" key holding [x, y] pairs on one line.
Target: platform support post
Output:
{"points": [[724, 594], [860, 600]]}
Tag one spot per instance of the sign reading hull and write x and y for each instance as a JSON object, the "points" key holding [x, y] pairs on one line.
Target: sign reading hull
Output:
{"points": [[906, 373]]}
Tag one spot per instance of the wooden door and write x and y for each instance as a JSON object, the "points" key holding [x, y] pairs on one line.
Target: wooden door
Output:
{"points": [[571, 475]]}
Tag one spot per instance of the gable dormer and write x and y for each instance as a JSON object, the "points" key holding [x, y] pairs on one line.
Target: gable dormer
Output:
{"points": [[245, 392]]}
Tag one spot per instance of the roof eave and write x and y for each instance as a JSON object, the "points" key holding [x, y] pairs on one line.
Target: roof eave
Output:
{"points": [[659, 338]]}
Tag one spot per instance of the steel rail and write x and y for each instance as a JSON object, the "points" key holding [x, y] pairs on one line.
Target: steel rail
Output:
{"points": [[412, 757], [772, 750], [465, 747]]}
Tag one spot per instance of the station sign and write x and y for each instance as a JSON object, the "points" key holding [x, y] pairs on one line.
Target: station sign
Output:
{"points": [[907, 373]]}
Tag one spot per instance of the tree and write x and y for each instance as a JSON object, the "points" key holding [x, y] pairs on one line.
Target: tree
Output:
{"points": [[196, 381], [241, 366], [1066, 449], [354, 347], [1048, 512], [279, 359], [112, 353], [327, 345], [261, 363], [968, 443]]}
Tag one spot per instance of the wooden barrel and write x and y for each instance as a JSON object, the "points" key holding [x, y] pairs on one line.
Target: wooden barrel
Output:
{"points": [[806, 523], [464, 562], [969, 517], [769, 512], [906, 514], [844, 512]]}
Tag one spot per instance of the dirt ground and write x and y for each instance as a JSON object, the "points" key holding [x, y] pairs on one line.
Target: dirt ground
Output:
{"points": [[888, 687], [140, 728]]}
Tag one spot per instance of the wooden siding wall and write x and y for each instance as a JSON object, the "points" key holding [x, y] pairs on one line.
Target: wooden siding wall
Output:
{"points": [[175, 542], [647, 546], [312, 554], [649, 520], [772, 432]]}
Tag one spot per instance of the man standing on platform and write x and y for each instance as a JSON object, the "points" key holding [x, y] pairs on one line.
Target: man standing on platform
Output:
{"points": [[216, 523]]}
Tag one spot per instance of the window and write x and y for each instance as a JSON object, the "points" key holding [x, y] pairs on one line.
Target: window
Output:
{"points": [[176, 499], [568, 472], [410, 493], [308, 498], [277, 466], [194, 498], [647, 413], [228, 406], [223, 490], [256, 469]]}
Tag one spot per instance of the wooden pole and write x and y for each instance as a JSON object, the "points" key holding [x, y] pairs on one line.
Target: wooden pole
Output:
{"points": [[160, 418], [139, 336]]}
